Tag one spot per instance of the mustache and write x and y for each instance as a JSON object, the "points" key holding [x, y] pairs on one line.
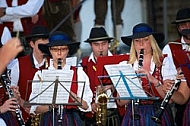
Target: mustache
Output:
{"points": [[186, 33]]}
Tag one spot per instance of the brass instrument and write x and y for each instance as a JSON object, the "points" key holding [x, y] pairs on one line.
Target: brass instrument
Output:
{"points": [[113, 46], [102, 100], [35, 121]]}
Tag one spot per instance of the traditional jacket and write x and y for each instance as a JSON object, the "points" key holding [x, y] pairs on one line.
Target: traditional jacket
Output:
{"points": [[90, 69], [27, 71]]}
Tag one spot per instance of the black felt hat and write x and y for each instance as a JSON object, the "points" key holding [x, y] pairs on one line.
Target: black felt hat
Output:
{"points": [[98, 34], [142, 30], [183, 15], [38, 31], [58, 38]]}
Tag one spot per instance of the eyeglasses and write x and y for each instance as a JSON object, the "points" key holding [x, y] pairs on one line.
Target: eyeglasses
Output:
{"points": [[59, 49]]}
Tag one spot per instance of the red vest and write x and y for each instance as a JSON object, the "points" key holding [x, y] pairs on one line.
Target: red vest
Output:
{"points": [[89, 68], [27, 72], [26, 22], [174, 47], [74, 87]]}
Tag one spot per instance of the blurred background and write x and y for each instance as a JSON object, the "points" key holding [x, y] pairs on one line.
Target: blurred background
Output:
{"points": [[157, 13]]}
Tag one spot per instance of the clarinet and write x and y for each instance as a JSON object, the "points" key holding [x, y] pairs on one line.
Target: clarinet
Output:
{"points": [[159, 113], [60, 109], [136, 102], [7, 83]]}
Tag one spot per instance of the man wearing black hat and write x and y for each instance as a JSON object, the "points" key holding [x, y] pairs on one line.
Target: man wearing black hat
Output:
{"points": [[99, 41], [31, 63], [183, 43]]}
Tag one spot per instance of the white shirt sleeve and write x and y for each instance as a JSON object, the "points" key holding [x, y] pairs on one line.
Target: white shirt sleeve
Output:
{"points": [[168, 69], [35, 89], [29, 9], [14, 67], [6, 35], [87, 94], [167, 50], [2, 122]]}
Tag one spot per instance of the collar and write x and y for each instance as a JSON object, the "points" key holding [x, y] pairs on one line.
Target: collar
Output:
{"points": [[91, 57], [36, 64], [184, 45]]}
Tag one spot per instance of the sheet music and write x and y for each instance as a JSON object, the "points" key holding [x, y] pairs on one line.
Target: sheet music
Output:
{"points": [[71, 61], [130, 77], [47, 92]]}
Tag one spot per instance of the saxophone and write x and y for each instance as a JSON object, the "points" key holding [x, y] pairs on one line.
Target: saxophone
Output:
{"points": [[102, 100], [35, 121]]}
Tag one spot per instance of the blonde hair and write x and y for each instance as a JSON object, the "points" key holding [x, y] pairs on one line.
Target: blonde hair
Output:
{"points": [[156, 52]]}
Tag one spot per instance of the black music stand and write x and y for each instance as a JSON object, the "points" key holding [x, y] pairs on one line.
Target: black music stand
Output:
{"points": [[56, 88]]}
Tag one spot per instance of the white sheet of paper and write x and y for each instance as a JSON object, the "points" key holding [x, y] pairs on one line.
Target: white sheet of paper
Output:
{"points": [[71, 61], [130, 76], [48, 77]]}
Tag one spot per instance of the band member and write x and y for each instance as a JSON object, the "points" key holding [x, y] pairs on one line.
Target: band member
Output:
{"points": [[59, 47], [182, 23], [8, 106], [31, 63], [157, 69], [99, 42]]}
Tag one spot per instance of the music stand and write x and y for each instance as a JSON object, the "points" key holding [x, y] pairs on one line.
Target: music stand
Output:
{"points": [[127, 84], [53, 88], [105, 60]]}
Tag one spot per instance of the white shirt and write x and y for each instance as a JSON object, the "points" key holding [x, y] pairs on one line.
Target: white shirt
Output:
{"points": [[81, 76], [111, 103], [168, 69], [15, 13], [15, 69], [2, 122], [91, 57]]}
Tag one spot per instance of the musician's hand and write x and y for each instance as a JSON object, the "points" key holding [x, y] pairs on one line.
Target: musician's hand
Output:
{"points": [[10, 50], [107, 87], [16, 92], [147, 73], [167, 85], [35, 19], [9, 105], [180, 75], [94, 107], [27, 109]]}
